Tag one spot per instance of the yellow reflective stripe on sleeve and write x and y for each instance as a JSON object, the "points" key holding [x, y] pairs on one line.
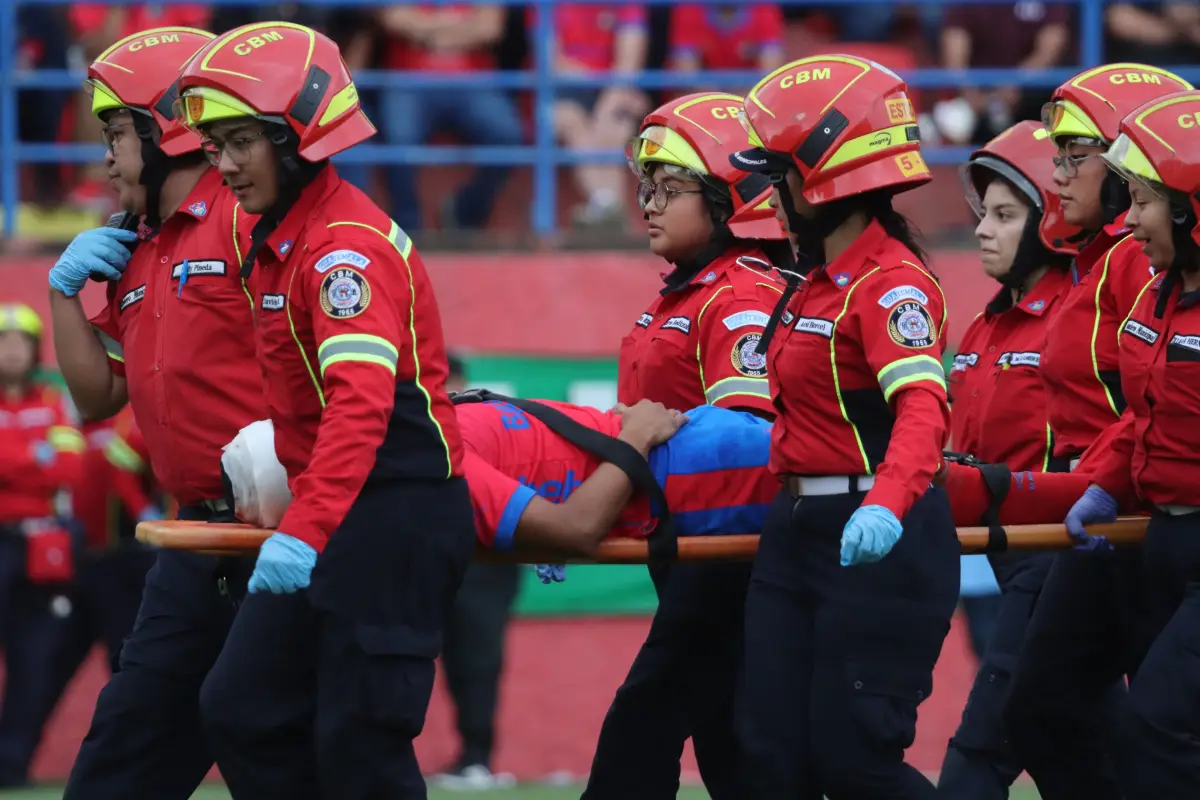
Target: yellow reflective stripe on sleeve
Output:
{"points": [[357, 347], [837, 384], [65, 439], [403, 244], [111, 346], [122, 456], [905, 371], [756, 387]]}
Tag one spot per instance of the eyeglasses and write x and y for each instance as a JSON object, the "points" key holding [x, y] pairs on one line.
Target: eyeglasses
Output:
{"points": [[1070, 164], [660, 193], [114, 134], [237, 147]]}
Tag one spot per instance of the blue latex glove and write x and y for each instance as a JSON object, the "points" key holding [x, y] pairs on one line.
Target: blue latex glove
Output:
{"points": [[870, 534], [100, 251], [43, 453], [551, 573], [1096, 505], [284, 565], [150, 514]]}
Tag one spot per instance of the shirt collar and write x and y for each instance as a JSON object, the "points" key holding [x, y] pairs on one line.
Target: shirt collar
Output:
{"points": [[852, 261], [281, 242], [199, 202], [1100, 244], [703, 269], [1038, 300]]}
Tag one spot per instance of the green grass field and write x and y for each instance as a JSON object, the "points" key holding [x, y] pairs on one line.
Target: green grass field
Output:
{"points": [[1022, 792]]}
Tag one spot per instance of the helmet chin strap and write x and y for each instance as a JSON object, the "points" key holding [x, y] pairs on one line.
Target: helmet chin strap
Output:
{"points": [[294, 173], [1114, 198], [156, 166], [1030, 255]]}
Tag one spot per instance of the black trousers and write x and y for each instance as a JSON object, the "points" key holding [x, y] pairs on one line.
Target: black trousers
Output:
{"points": [[681, 684], [146, 739], [1160, 734], [1068, 688], [473, 654], [837, 659], [320, 694]]}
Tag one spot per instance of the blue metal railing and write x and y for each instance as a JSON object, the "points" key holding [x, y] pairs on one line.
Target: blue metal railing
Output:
{"points": [[544, 155]]}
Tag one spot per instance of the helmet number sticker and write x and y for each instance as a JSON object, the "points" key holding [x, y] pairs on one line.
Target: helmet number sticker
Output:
{"points": [[911, 164]]}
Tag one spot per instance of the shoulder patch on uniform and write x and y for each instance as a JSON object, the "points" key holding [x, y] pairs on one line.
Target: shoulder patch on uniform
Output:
{"points": [[644, 320], [893, 296], [350, 258], [133, 296], [813, 325], [745, 359], [841, 279], [744, 318], [709, 278], [210, 266], [273, 302], [910, 325], [345, 293], [1139, 331], [679, 324]]}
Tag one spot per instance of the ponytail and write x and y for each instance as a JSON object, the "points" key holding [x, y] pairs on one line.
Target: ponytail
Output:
{"points": [[899, 227]]}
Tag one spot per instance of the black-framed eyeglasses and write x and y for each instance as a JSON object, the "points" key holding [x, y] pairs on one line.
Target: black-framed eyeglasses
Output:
{"points": [[237, 147], [113, 135], [1070, 164], [660, 193]]}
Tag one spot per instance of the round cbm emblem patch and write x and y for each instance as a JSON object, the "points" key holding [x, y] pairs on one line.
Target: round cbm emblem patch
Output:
{"points": [[909, 325], [746, 360], [345, 293]]}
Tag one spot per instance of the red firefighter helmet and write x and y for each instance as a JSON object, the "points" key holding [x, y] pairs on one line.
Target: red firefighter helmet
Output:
{"points": [[1024, 156], [696, 134], [140, 73], [1158, 145], [278, 72], [845, 123], [1091, 105]]}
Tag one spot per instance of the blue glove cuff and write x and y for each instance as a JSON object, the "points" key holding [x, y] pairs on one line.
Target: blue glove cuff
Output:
{"points": [[300, 551], [1105, 502]]}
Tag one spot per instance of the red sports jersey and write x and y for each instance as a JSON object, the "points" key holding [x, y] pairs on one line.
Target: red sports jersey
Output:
{"points": [[350, 342], [402, 53], [185, 346], [695, 343], [726, 37], [999, 404], [41, 452], [856, 373], [1081, 354], [586, 32], [1155, 452]]}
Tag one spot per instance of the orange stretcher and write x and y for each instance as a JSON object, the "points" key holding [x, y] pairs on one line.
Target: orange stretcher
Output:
{"points": [[234, 539]]}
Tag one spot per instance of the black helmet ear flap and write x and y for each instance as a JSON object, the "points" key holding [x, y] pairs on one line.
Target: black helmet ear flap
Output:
{"points": [[1114, 198]]}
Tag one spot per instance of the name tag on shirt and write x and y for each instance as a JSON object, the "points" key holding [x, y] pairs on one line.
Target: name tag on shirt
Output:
{"points": [[195, 268]]}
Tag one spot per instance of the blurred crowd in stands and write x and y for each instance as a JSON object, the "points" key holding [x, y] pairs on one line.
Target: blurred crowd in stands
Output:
{"points": [[589, 38]]}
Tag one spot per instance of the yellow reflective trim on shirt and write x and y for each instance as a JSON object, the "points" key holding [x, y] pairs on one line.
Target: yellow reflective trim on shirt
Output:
{"points": [[755, 387], [303, 355], [66, 439], [237, 249], [837, 384], [111, 346], [906, 371], [704, 387], [403, 244], [122, 456], [1096, 327], [357, 347], [1049, 448]]}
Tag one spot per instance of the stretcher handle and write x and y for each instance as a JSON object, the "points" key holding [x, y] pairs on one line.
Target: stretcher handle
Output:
{"points": [[234, 539]]}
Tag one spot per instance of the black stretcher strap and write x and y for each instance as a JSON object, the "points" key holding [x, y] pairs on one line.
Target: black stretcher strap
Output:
{"points": [[663, 541], [998, 480]]}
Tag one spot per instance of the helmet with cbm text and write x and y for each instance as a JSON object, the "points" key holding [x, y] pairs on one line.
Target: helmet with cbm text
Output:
{"points": [[1158, 146], [140, 73], [846, 124], [693, 136], [1023, 156], [281, 73]]}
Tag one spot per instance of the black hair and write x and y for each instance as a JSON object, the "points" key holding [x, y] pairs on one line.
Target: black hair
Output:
{"points": [[898, 226]]}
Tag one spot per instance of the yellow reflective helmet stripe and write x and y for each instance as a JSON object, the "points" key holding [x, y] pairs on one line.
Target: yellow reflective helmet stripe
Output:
{"points": [[658, 144], [754, 387], [66, 439], [907, 371], [873, 142], [111, 346], [1130, 162], [360, 347], [122, 456]]}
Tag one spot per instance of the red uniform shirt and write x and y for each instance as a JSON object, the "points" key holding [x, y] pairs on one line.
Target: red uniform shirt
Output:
{"points": [[695, 344], [587, 32], [735, 37], [403, 53], [1155, 452], [352, 353], [999, 400], [856, 373], [186, 349], [42, 419], [1080, 358], [113, 479]]}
